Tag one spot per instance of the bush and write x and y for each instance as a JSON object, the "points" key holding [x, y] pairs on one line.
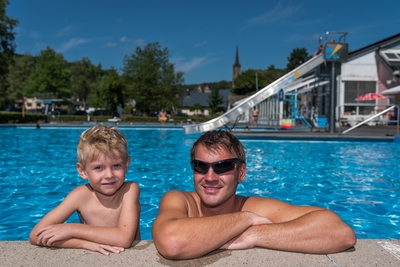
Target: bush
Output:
{"points": [[16, 117]]}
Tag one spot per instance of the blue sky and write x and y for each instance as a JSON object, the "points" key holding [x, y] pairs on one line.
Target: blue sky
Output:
{"points": [[201, 35]]}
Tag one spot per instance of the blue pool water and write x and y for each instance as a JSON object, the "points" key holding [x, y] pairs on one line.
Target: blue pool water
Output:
{"points": [[359, 181]]}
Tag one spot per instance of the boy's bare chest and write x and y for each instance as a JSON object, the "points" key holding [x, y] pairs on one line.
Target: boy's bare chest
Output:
{"points": [[101, 214]]}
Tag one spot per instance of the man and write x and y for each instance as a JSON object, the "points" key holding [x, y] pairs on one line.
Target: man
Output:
{"points": [[192, 224], [254, 120]]}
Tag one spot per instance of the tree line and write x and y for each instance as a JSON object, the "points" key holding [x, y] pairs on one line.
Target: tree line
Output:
{"points": [[147, 81]]}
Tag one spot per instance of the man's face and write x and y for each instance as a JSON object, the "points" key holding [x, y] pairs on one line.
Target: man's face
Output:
{"points": [[215, 189]]}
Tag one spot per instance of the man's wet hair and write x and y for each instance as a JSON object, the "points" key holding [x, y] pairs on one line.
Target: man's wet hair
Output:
{"points": [[216, 140]]}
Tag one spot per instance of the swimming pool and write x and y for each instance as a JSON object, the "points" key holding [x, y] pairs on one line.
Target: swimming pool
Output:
{"points": [[359, 181]]}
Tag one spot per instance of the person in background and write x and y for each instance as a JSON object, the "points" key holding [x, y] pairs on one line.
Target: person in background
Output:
{"points": [[107, 206], [162, 117], [192, 224], [255, 113], [319, 50]]}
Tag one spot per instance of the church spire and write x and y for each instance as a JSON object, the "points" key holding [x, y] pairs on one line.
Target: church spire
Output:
{"points": [[237, 64], [237, 68]]}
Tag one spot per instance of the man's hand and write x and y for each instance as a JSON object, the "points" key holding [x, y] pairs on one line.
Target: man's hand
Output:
{"points": [[247, 239], [259, 220], [243, 241]]}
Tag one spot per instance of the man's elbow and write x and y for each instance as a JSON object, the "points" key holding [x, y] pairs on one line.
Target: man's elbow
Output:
{"points": [[350, 238], [169, 248], [345, 240]]}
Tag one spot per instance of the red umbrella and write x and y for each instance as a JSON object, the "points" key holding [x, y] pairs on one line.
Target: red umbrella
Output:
{"points": [[369, 96]]}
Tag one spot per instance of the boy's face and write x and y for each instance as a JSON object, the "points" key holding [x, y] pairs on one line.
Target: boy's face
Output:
{"points": [[106, 175]]}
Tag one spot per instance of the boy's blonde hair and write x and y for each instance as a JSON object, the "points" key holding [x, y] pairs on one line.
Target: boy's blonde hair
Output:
{"points": [[101, 139]]}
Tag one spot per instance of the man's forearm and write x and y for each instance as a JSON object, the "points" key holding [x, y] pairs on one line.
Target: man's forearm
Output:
{"points": [[193, 237], [317, 232]]}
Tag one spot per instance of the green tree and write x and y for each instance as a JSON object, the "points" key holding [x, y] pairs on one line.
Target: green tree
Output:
{"points": [[252, 80], [18, 75], [196, 107], [51, 75], [7, 48], [152, 80], [296, 58], [245, 83], [84, 78], [112, 90], [270, 75], [223, 85], [215, 99]]}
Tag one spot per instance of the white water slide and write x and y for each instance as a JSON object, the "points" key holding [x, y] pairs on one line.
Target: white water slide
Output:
{"points": [[258, 97]]}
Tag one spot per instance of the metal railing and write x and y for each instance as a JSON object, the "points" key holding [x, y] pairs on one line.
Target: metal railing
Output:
{"points": [[372, 117]]}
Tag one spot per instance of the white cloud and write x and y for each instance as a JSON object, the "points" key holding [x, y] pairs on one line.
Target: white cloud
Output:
{"points": [[200, 44], [73, 43], [35, 34], [277, 14], [188, 66], [111, 44], [64, 31], [140, 42]]}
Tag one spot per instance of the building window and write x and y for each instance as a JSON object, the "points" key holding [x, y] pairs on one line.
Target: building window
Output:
{"points": [[391, 55], [354, 90]]}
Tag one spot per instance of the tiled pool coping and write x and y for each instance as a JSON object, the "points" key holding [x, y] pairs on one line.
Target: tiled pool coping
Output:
{"points": [[367, 252]]}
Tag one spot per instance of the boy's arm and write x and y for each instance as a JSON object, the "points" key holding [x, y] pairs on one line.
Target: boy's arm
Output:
{"points": [[58, 215], [178, 236], [88, 245], [295, 228], [120, 236]]}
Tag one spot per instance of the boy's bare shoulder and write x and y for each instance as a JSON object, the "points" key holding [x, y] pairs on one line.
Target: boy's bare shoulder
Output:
{"points": [[131, 186], [130, 189], [81, 193]]}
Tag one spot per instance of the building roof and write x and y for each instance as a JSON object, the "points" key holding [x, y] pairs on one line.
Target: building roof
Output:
{"points": [[387, 42], [191, 98]]}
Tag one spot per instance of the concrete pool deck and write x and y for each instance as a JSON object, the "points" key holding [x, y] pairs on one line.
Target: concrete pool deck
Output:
{"points": [[367, 252], [364, 133]]}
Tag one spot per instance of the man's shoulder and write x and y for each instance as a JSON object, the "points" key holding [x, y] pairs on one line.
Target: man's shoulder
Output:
{"points": [[253, 203], [181, 201], [179, 194]]}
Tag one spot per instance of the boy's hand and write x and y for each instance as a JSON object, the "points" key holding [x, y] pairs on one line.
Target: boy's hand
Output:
{"points": [[53, 233], [103, 249], [58, 232]]}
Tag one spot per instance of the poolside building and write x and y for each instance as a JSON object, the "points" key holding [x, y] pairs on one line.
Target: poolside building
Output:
{"points": [[374, 68]]}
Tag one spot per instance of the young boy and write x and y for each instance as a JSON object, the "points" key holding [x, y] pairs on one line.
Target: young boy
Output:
{"points": [[108, 206]]}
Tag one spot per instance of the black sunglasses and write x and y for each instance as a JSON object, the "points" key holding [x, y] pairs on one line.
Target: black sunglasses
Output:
{"points": [[218, 167]]}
